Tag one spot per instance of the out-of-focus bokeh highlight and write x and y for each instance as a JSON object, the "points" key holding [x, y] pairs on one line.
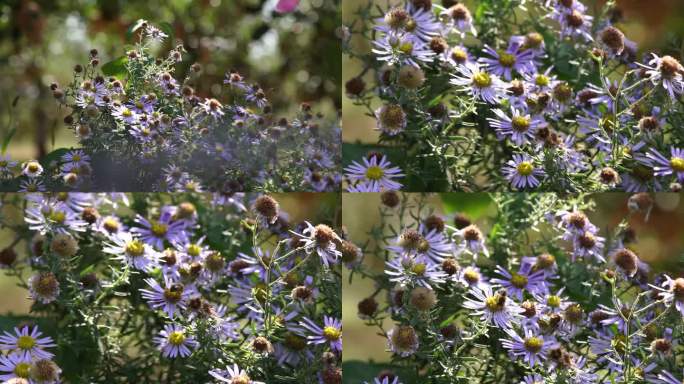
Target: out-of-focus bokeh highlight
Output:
{"points": [[294, 56], [660, 243], [647, 22]]}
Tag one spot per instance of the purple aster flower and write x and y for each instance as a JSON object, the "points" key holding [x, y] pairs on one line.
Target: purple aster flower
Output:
{"points": [[520, 128], [662, 166], [673, 292], [173, 341], [233, 375], [667, 72], [471, 276], [472, 240], [482, 85], [330, 333], [403, 340], [495, 308], [235, 80], [385, 380], [459, 20], [257, 96], [503, 63], [522, 173], [540, 82], [32, 186], [321, 239], [132, 251], [533, 348], [533, 379], [213, 108], [171, 298], [144, 105], [666, 377], [606, 343], [588, 244], [362, 187], [375, 171], [53, 217], [402, 49], [407, 270], [6, 166], [456, 56], [422, 243], [15, 366], [525, 279], [415, 20], [574, 24], [155, 232], [124, 114], [32, 169], [27, 343]]}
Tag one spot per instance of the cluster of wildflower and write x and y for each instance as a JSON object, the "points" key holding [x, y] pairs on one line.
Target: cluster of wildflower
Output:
{"points": [[172, 288], [568, 305], [143, 127], [544, 97]]}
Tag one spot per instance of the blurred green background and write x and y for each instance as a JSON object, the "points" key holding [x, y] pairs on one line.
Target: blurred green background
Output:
{"points": [[294, 57], [14, 300], [660, 242], [647, 22]]}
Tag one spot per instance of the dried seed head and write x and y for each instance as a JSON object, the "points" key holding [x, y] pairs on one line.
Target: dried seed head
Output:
{"points": [[89, 280], [461, 221], [324, 234], [351, 254], [678, 288], [423, 299], [562, 92], [575, 19], [450, 266], [613, 39], [609, 176], [355, 86], [669, 66], [649, 124], [438, 45], [410, 239], [397, 18], [45, 371], [411, 77], [331, 375], [424, 4], [45, 285], [573, 313], [663, 346], [472, 233], [392, 117], [302, 293], [390, 199], [64, 245], [459, 12], [449, 332], [533, 40], [262, 345], [404, 337], [7, 257], [267, 207], [640, 202], [367, 308], [90, 215], [545, 261], [530, 309], [434, 222]]}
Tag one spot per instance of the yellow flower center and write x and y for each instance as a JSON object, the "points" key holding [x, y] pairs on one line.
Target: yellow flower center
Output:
{"points": [[495, 303], [159, 229], [520, 123], [553, 301], [406, 47], [3, 163], [534, 344], [374, 173], [472, 276], [506, 59], [176, 338], [194, 250], [482, 80], [22, 370], [332, 333], [295, 342], [242, 379], [677, 164], [76, 157], [525, 168], [419, 269], [26, 342], [57, 216], [518, 281], [135, 248], [542, 80], [459, 55], [33, 167]]}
